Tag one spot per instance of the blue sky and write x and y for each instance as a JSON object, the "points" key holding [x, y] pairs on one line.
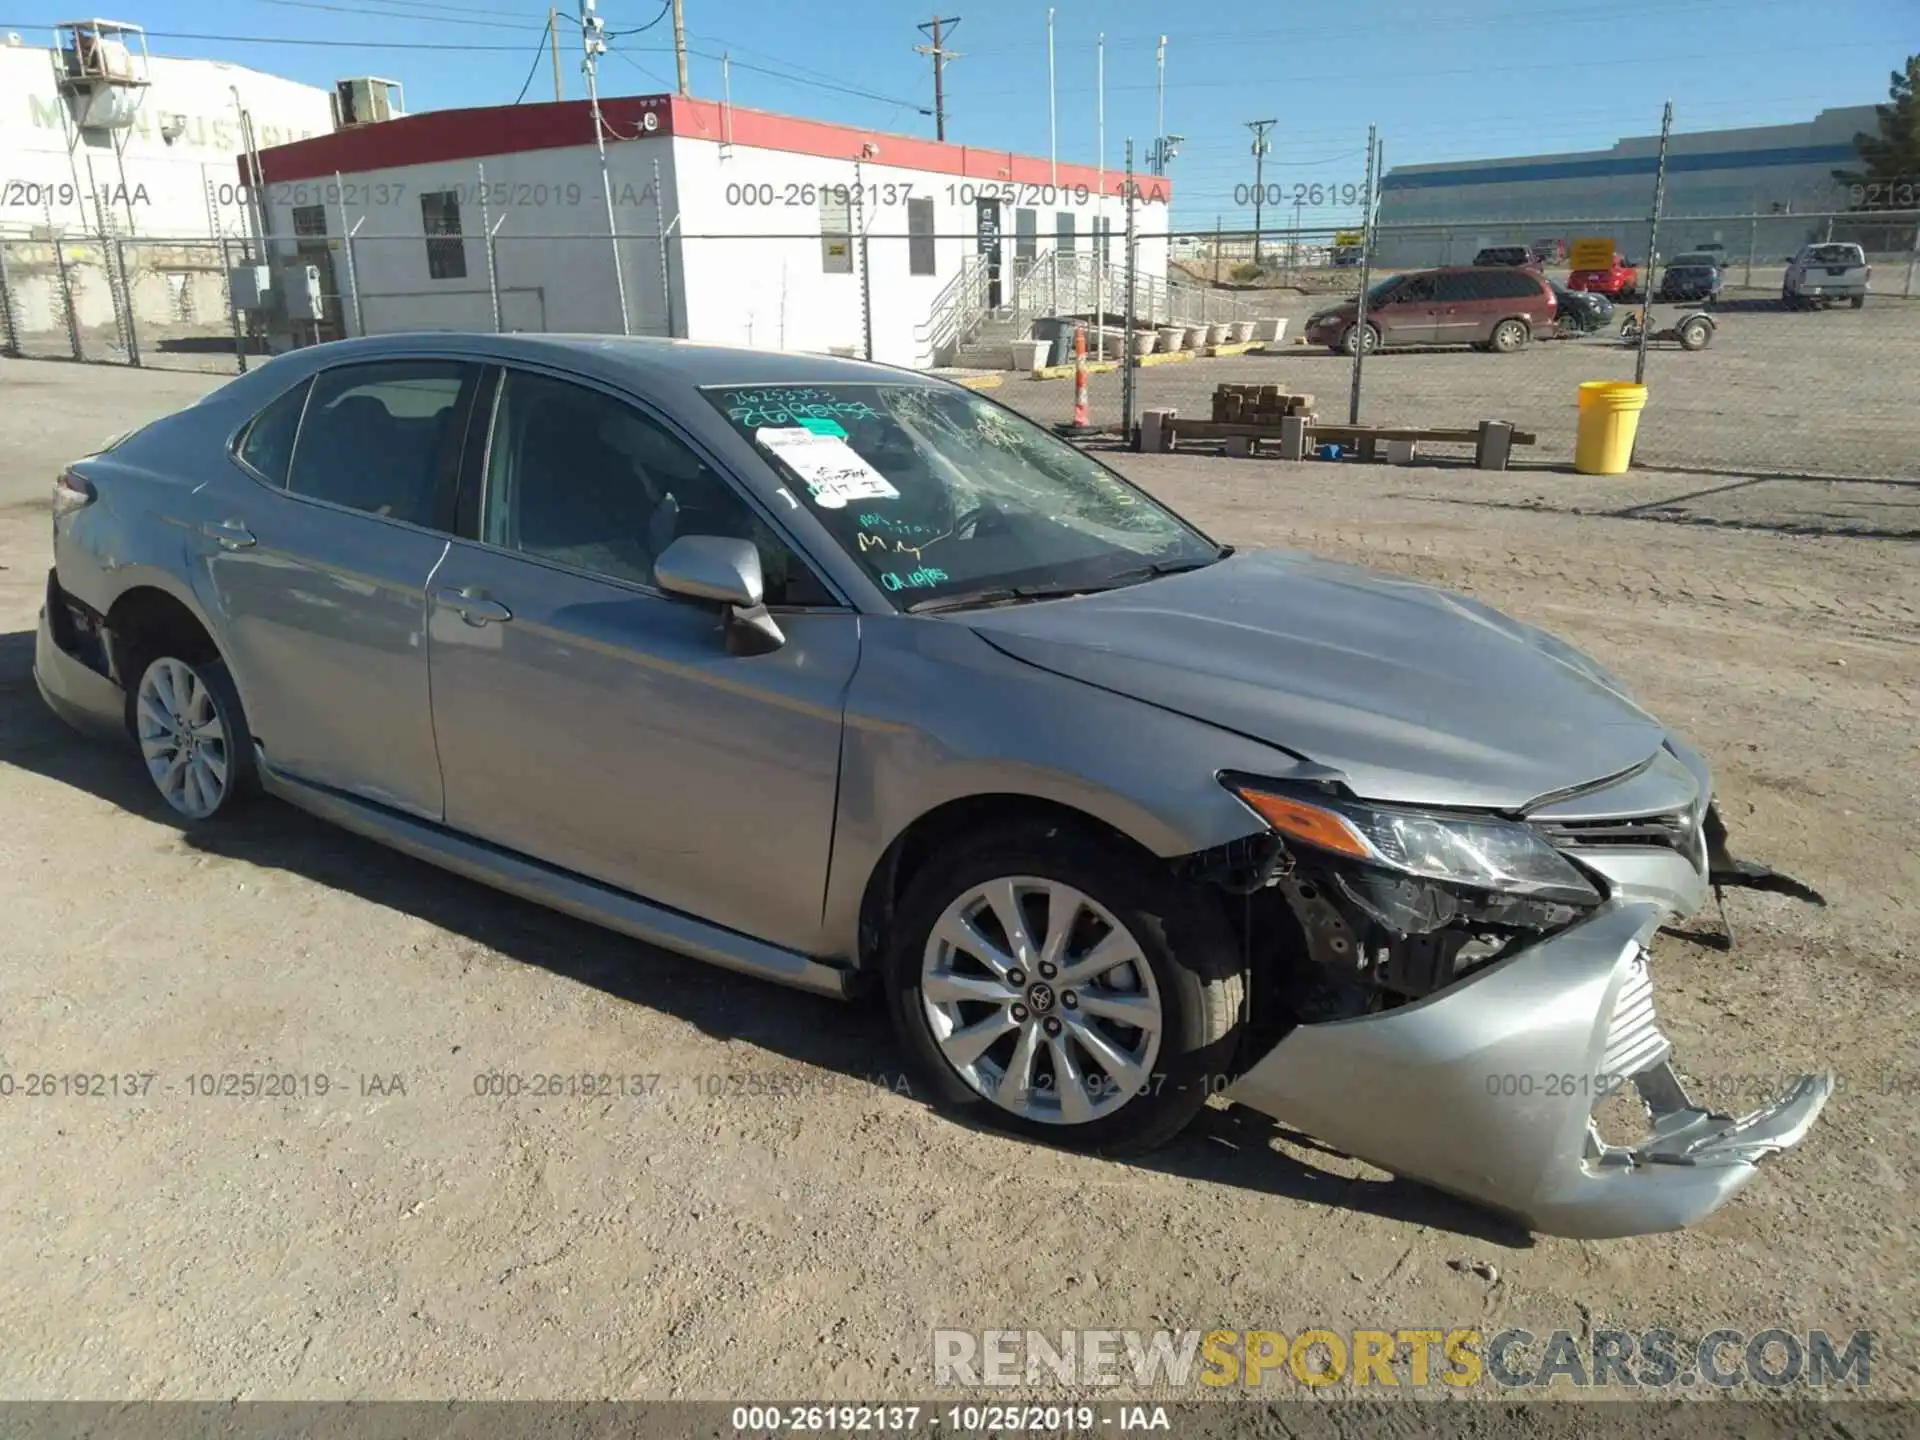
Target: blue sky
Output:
{"points": [[1444, 82]]}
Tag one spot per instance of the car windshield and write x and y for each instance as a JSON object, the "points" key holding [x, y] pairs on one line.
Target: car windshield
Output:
{"points": [[942, 495]]}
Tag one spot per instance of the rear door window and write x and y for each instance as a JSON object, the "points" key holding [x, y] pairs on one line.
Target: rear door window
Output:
{"points": [[1453, 287], [385, 438]]}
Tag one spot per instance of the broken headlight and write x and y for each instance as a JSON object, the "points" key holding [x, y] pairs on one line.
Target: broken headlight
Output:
{"points": [[1480, 852]]}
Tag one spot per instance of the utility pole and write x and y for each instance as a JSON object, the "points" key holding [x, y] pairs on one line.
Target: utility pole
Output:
{"points": [[1259, 128], [940, 56], [553, 43], [680, 43], [1158, 158], [1053, 124], [593, 42]]}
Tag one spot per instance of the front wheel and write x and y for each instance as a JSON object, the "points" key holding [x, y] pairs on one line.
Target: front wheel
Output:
{"points": [[1061, 987], [1357, 336], [1509, 336], [193, 736]]}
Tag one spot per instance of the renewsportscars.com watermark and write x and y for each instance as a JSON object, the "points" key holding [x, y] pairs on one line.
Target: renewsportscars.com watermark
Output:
{"points": [[1462, 1358]]}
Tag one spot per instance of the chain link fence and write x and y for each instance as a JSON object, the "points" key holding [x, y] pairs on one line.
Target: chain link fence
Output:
{"points": [[1781, 387], [1790, 380]]}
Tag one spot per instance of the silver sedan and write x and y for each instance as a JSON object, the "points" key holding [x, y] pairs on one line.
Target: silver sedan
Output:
{"points": [[847, 676]]}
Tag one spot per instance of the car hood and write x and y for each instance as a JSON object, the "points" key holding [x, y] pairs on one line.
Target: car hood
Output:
{"points": [[1415, 694]]}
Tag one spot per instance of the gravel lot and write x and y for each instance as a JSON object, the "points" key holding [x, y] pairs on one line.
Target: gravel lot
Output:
{"points": [[782, 1218], [1815, 393]]}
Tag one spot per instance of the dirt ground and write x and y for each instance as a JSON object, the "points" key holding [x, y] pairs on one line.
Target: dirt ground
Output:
{"points": [[782, 1218]]}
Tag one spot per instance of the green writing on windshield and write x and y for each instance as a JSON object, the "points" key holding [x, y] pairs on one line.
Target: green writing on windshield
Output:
{"points": [[915, 580]]}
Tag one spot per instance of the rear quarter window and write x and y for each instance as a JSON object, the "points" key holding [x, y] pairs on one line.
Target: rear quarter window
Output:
{"points": [[267, 443]]}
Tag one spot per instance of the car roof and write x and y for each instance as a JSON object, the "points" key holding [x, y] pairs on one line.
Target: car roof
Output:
{"points": [[654, 362]]}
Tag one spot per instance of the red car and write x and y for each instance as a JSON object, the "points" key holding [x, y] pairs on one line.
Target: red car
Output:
{"points": [[1618, 282]]}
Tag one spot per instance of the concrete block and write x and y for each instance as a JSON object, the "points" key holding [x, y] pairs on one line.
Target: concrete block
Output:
{"points": [[1155, 433], [1293, 438], [1495, 444], [1240, 447]]}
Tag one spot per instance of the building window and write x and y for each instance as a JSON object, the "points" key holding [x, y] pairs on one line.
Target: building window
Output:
{"points": [[440, 217], [920, 254], [1103, 236], [1025, 224], [836, 231], [309, 220], [1063, 231]]}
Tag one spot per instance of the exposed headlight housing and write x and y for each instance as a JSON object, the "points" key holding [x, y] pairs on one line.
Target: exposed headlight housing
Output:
{"points": [[1479, 852]]}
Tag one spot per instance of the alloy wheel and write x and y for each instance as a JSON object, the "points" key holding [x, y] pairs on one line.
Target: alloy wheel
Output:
{"points": [[182, 737], [1041, 1000]]}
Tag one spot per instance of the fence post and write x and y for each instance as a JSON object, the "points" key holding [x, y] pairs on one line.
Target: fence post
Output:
{"points": [[1366, 277], [132, 335], [233, 311], [1129, 363], [66, 290], [9, 330], [353, 274], [866, 293]]}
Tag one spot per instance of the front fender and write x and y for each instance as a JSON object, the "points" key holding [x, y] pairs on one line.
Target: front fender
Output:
{"points": [[935, 714]]}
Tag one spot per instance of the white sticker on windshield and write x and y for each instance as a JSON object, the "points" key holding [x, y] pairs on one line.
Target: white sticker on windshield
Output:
{"points": [[832, 468]]}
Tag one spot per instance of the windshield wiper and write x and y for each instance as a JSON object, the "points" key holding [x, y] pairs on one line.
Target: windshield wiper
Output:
{"points": [[1012, 594]]}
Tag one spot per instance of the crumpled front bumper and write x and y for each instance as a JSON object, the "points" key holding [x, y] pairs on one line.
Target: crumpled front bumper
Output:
{"points": [[1488, 1089]]}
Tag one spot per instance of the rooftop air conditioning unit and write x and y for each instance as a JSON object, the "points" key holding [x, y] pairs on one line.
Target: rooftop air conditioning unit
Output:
{"points": [[366, 100]]}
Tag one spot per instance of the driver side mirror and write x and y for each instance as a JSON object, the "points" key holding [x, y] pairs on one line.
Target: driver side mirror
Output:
{"points": [[727, 571]]}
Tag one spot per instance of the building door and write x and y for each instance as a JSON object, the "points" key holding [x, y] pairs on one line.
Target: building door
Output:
{"points": [[987, 225]]}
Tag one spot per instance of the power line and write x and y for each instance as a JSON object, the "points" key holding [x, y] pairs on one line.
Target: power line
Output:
{"points": [[391, 14], [285, 40], [666, 5], [539, 53]]}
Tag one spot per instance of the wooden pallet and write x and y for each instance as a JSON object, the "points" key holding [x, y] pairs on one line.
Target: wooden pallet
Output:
{"points": [[1298, 433]]}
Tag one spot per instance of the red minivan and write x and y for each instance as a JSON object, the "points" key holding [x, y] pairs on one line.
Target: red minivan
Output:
{"points": [[1488, 307]]}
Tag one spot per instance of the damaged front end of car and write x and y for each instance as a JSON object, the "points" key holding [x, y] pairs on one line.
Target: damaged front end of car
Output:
{"points": [[1464, 999]]}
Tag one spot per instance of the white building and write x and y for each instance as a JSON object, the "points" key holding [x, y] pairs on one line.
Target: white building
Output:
{"points": [[1441, 214], [166, 171], [737, 226]]}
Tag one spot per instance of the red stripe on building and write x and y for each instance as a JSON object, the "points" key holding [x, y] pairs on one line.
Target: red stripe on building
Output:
{"points": [[437, 136]]}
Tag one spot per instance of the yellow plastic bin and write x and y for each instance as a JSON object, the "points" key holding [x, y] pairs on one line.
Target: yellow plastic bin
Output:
{"points": [[1609, 419]]}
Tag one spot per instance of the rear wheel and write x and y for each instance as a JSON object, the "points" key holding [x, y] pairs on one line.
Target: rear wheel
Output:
{"points": [[1857, 301], [1509, 336], [186, 718], [1064, 988], [1695, 334]]}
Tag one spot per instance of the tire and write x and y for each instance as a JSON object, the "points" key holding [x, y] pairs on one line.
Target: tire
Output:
{"points": [[1509, 336], [1180, 972], [1858, 302], [187, 720], [1695, 335], [1350, 339]]}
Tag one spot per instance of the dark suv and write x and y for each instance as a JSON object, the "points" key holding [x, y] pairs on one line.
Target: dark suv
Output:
{"points": [[1518, 255], [1487, 307]]}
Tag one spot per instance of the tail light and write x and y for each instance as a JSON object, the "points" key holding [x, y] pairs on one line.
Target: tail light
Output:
{"points": [[71, 492]]}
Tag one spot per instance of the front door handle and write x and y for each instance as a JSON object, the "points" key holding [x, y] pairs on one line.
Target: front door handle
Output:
{"points": [[474, 605], [230, 534]]}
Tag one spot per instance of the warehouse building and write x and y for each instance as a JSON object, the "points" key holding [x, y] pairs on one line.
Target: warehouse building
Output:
{"points": [[734, 225], [96, 133], [1441, 214]]}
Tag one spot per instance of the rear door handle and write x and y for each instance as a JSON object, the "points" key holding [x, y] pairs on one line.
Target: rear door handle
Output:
{"points": [[230, 534], [474, 605]]}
